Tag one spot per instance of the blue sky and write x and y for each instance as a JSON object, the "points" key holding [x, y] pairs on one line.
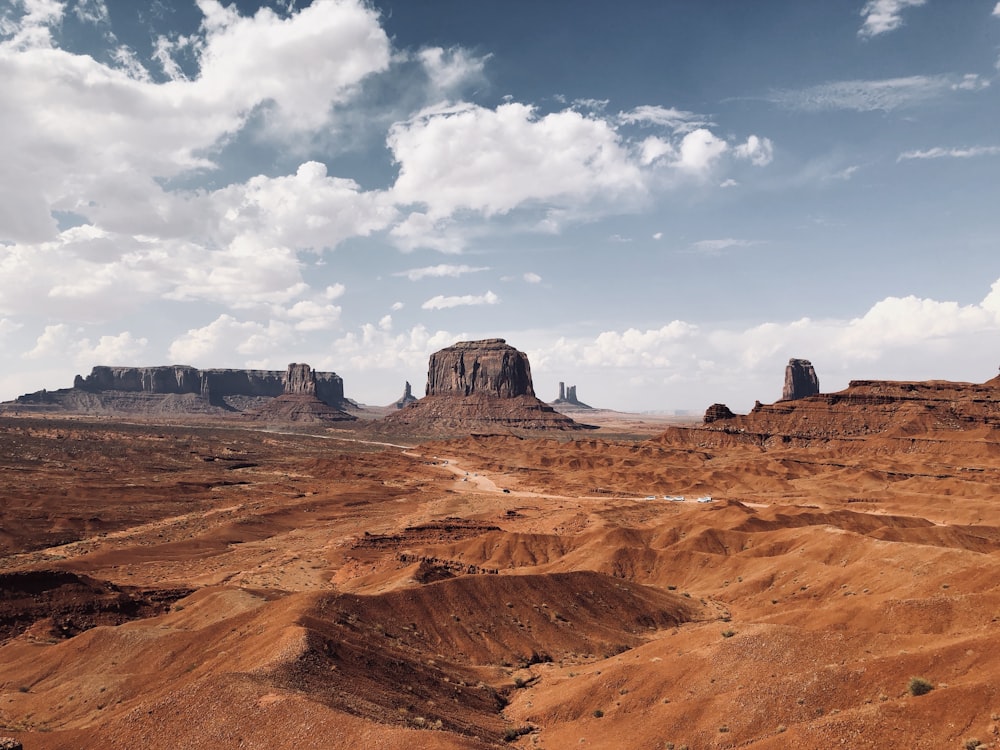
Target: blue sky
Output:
{"points": [[660, 202]]}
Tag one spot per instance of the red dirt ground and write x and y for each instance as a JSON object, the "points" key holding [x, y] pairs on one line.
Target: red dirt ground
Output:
{"points": [[204, 586]]}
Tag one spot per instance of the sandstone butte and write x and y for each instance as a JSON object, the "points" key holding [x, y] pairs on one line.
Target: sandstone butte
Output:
{"points": [[480, 386], [218, 584]]}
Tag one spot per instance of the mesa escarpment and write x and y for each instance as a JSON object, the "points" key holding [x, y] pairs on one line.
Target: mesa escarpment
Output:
{"points": [[476, 385], [182, 389], [893, 409]]}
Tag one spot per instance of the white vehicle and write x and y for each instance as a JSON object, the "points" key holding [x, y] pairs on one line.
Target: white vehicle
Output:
{"points": [[650, 497], [705, 499], [674, 498]]}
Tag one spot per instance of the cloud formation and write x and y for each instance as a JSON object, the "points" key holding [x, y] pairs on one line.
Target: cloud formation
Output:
{"points": [[440, 270], [883, 95], [939, 152], [441, 302], [883, 16]]}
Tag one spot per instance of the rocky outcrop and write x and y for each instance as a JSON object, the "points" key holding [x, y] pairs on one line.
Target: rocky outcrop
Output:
{"points": [[567, 398], [479, 386], [490, 367], [716, 412], [406, 398], [300, 379], [800, 380], [9, 743]]}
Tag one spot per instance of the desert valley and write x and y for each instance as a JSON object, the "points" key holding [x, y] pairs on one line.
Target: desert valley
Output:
{"points": [[210, 559]]}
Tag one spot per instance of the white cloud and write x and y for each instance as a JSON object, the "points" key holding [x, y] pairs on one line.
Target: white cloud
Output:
{"points": [[439, 271], [227, 339], [449, 71], [532, 278], [677, 120], [717, 246], [59, 341], [760, 151], [491, 161], [971, 82], [727, 183], [867, 95], [334, 292], [82, 136], [397, 306], [996, 10], [699, 151], [441, 302], [883, 16], [658, 236], [951, 153]]}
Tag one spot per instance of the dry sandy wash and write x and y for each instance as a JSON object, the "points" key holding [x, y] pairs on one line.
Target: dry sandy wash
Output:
{"points": [[169, 586]]}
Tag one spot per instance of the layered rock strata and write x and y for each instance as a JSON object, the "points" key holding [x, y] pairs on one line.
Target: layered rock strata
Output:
{"points": [[912, 411], [480, 385]]}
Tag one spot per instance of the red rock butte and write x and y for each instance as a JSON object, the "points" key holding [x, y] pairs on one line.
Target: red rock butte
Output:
{"points": [[480, 386]]}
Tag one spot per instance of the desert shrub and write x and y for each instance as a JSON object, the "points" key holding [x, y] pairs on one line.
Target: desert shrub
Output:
{"points": [[919, 686], [728, 633], [598, 713], [971, 744]]}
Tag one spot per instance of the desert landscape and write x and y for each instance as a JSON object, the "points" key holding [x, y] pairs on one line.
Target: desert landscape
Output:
{"points": [[821, 572]]}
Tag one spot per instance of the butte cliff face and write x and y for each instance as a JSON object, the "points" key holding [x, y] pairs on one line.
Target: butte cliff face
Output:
{"points": [[489, 367], [480, 385], [800, 380]]}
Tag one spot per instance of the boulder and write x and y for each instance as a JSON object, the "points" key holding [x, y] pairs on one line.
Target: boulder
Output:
{"points": [[800, 380]]}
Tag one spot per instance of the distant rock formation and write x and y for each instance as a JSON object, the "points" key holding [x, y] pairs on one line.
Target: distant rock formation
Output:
{"points": [[215, 385], [800, 380], [476, 385], [716, 412], [185, 389], [299, 402], [567, 398], [406, 398], [894, 410]]}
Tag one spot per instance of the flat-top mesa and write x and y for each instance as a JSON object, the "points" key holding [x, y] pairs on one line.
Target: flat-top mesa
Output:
{"points": [[474, 385]]}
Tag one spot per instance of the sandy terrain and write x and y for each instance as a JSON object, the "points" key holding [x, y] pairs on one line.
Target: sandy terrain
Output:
{"points": [[167, 586]]}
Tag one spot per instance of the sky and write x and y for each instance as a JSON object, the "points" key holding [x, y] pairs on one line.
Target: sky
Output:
{"points": [[659, 202]]}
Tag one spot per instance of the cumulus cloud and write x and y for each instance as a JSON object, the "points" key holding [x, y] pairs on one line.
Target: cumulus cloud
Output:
{"points": [[61, 341], [883, 16], [699, 151], [441, 302], [939, 152], [228, 339], [439, 271], [492, 160], [532, 278], [759, 151]]}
